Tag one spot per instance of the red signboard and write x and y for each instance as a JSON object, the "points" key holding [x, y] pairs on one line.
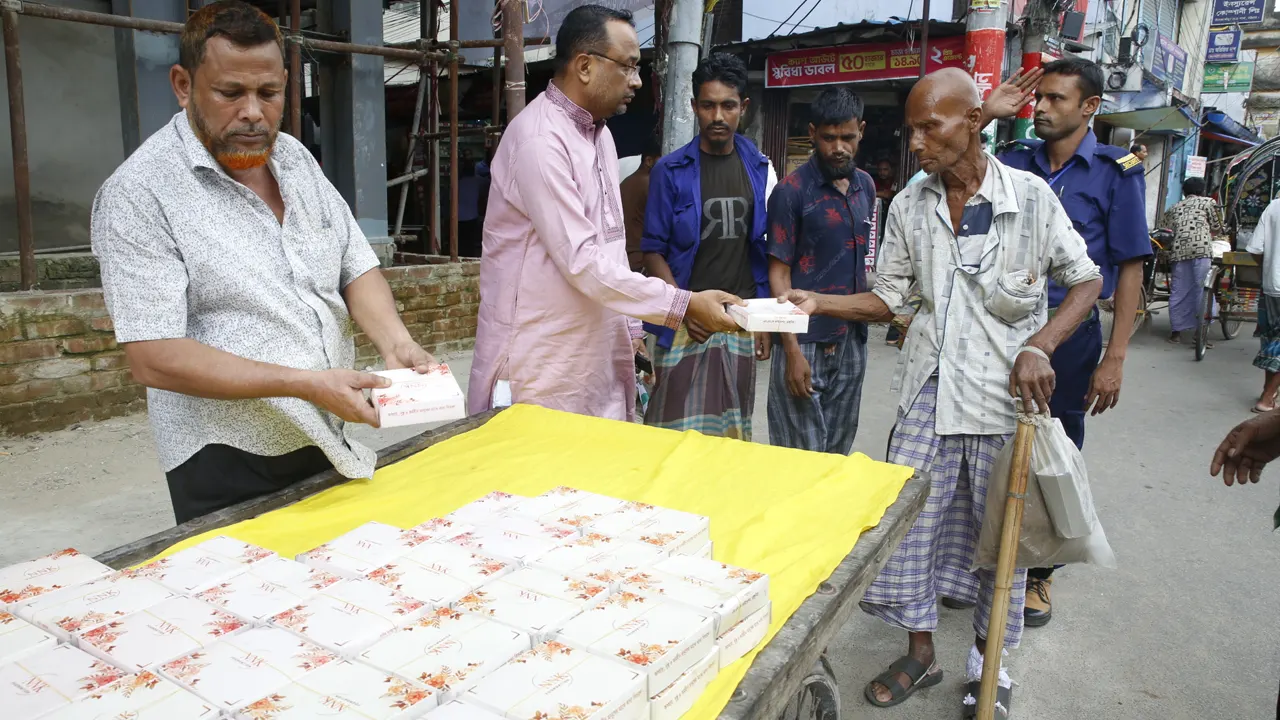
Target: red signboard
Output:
{"points": [[860, 63]]}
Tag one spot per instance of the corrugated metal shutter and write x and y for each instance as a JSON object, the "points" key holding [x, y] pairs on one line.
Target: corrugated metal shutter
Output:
{"points": [[1161, 15]]}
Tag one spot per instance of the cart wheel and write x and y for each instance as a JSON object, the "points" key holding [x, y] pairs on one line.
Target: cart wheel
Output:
{"points": [[818, 699], [1144, 299], [1202, 325], [1230, 325]]}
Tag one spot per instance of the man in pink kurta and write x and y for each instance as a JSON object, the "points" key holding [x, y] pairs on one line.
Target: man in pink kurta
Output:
{"points": [[559, 305]]}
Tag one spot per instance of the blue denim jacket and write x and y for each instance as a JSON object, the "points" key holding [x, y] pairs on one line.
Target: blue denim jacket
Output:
{"points": [[673, 216]]}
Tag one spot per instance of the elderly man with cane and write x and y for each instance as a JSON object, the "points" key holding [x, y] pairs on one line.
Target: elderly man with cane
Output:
{"points": [[979, 240]]}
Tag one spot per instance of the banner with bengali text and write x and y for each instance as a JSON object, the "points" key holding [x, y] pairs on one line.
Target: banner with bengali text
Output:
{"points": [[860, 63]]}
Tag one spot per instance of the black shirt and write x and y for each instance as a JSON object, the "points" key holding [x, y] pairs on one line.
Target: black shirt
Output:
{"points": [[723, 261]]}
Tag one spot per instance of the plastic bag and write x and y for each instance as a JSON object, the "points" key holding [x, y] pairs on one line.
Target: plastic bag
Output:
{"points": [[1057, 469]]}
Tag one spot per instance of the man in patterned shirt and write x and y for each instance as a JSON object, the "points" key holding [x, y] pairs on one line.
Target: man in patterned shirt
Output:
{"points": [[234, 271], [979, 241]]}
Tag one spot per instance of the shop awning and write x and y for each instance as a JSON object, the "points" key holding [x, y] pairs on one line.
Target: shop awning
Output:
{"points": [[1223, 128], [1153, 120]]}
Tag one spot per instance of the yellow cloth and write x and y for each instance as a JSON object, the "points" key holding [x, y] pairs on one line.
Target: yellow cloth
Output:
{"points": [[794, 515]]}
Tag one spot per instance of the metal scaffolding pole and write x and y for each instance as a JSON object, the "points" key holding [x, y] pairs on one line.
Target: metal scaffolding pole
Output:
{"points": [[18, 136], [413, 145], [295, 70], [453, 132], [430, 30], [514, 42]]}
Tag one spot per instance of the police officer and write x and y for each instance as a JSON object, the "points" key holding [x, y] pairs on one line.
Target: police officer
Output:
{"points": [[1103, 190]]}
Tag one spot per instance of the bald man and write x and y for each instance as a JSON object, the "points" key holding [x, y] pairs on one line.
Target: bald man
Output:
{"points": [[979, 240]]}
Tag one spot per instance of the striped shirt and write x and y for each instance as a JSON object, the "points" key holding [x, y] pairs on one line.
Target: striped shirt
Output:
{"points": [[1013, 223]]}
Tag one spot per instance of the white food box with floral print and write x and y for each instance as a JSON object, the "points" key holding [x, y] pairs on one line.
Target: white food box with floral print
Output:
{"points": [[661, 639], [769, 315], [514, 538], [705, 552], [19, 637], [267, 589], [730, 593], [677, 698], [144, 696], [461, 563], [495, 503], [533, 600], [415, 398], [369, 546], [459, 710], [600, 557], [554, 680], [349, 616], [236, 671], [152, 637], [448, 650], [437, 530], [39, 683], [742, 638], [88, 606], [673, 531], [202, 566], [47, 576], [347, 690], [567, 506]]}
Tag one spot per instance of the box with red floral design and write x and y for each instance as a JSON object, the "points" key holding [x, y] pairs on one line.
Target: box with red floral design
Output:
{"points": [[476, 511], [514, 538], [144, 696], [238, 670], [44, 681], [87, 606], [151, 637], [558, 682], [349, 616], [599, 557], [268, 588], [459, 710], [47, 576], [447, 650], [731, 593], [438, 529], [536, 601], [415, 398], [567, 506], [345, 690], [676, 699], [672, 531], [461, 563], [202, 566], [415, 580], [367, 547], [19, 637], [660, 638], [743, 637]]}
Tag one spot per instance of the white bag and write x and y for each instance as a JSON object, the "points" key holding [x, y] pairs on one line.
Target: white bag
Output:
{"points": [[1059, 524]]}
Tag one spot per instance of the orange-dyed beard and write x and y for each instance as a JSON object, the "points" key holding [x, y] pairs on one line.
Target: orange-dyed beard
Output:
{"points": [[228, 155]]}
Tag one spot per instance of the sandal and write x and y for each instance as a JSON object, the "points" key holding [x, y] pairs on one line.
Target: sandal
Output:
{"points": [[1003, 696], [912, 668]]}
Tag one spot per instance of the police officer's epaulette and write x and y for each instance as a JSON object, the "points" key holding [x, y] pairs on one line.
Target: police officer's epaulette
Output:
{"points": [[1128, 163]]}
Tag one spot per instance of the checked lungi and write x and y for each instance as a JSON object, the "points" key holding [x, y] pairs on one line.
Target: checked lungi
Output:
{"points": [[826, 421], [934, 558], [708, 387], [1268, 332]]}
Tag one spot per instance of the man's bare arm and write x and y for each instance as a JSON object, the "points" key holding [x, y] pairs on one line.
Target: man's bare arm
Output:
{"points": [[1128, 289], [657, 266], [780, 285], [373, 307], [1073, 311], [864, 307]]}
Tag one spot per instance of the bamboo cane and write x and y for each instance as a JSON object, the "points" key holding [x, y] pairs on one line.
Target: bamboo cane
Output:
{"points": [[1019, 469]]}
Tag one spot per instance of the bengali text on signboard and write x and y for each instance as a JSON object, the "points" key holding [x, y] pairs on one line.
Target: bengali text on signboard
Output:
{"points": [[1224, 46], [1232, 12], [1228, 77], [859, 63]]}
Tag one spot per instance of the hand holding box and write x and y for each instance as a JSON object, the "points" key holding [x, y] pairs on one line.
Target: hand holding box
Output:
{"points": [[769, 315], [414, 397]]}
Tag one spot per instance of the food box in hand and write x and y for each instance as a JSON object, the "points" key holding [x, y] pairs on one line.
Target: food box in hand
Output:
{"points": [[676, 699], [44, 681], [672, 531], [447, 650], [349, 616], [343, 690], [554, 680], [240, 669], [730, 593], [661, 639], [144, 696], [87, 606], [514, 538], [533, 600], [769, 315], [458, 710], [367, 547], [268, 588], [202, 566], [600, 557], [46, 576], [149, 638], [461, 563], [19, 637], [742, 638], [414, 397]]}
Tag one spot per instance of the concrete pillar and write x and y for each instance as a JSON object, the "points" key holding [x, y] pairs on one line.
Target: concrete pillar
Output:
{"points": [[143, 60], [357, 120]]}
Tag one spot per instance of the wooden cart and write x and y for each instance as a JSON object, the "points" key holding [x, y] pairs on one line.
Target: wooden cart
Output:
{"points": [[790, 678]]}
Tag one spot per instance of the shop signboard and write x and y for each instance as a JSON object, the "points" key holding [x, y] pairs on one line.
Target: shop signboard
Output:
{"points": [[1228, 77], [1196, 165], [1168, 61], [860, 63], [1235, 12], [1224, 46]]}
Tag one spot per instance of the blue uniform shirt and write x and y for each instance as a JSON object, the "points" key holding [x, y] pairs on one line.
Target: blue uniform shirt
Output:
{"points": [[1103, 190]]}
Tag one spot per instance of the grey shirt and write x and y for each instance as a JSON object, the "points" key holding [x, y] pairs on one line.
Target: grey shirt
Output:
{"points": [[187, 252]]}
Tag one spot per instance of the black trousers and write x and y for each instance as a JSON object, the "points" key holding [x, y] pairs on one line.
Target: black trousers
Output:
{"points": [[219, 476]]}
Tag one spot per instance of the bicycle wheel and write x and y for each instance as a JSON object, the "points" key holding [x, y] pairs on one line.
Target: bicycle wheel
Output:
{"points": [[818, 698], [1230, 324], [1202, 325]]}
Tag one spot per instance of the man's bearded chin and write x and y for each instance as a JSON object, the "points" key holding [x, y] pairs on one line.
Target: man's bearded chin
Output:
{"points": [[230, 157], [836, 172]]}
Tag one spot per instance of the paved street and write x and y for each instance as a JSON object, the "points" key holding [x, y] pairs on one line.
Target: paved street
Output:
{"points": [[1185, 628]]}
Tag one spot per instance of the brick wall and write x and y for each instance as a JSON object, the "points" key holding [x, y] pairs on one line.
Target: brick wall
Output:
{"points": [[59, 364]]}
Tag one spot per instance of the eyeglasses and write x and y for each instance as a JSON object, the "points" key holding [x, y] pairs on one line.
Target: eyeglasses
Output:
{"points": [[630, 70]]}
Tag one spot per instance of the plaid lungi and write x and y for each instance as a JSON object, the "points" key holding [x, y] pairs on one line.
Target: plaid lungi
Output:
{"points": [[708, 387], [934, 558], [826, 421], [1268, 332]]}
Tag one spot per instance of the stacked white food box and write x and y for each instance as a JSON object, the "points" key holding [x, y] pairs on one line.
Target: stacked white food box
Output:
{"points": [[568, 604]]}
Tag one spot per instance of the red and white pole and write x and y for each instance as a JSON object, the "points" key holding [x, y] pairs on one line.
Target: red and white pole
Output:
{"points": [[984, 45]]}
